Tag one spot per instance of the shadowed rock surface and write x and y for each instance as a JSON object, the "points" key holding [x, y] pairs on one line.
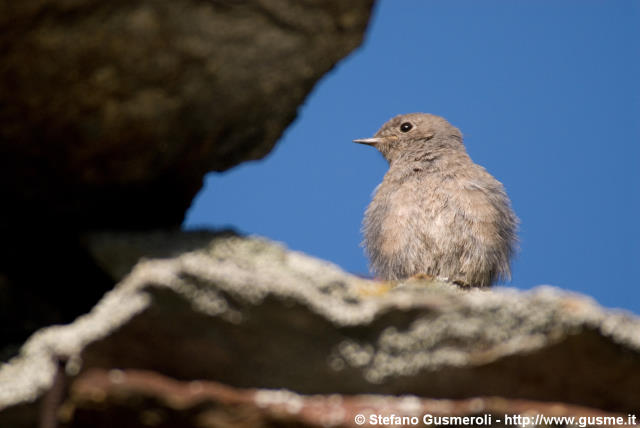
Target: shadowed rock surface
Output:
{"points": [[249, 314], [112, 112], [100, 397], [114, 104]]}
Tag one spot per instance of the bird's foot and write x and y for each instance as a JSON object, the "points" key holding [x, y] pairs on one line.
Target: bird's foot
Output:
{"points": [[421, 277], [462, 284]]}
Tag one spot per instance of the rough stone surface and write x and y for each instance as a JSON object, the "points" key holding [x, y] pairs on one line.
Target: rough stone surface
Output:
{"points": [[112, 104], [111, 112], [99, 397], [249, 314]]}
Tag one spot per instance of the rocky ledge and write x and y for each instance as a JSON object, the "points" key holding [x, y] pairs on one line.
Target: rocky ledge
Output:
{"points": [[112, 112], [206, 329]]}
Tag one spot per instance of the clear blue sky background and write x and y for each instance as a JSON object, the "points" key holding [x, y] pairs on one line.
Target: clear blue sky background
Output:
{"points": [[547, 95]]}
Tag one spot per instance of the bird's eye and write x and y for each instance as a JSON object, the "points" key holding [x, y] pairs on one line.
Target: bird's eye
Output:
{"points": [[406, 127]]}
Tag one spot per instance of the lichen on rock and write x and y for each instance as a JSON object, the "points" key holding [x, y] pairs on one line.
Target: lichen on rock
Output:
{"points": [[249, 313]]}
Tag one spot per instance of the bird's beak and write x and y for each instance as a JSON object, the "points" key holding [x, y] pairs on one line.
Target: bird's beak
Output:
{"points": [[369, 141]]}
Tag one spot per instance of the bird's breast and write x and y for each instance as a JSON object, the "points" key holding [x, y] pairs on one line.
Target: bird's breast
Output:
{"points": [[397, 218]]}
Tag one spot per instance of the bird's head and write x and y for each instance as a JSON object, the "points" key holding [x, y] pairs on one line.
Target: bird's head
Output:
{"points": [[415, 137]]}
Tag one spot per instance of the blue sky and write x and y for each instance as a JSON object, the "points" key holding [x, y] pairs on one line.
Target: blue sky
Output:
{"points": [[547, 95]]}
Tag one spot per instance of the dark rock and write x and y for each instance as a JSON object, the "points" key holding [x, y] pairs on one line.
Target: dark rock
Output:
{"points": [[48, 278], [112, 112], [120, 104], [99, 397], [249, 314]]}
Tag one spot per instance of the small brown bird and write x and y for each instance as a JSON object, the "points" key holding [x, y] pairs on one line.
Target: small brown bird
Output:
{"points": [[436, 212]]}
